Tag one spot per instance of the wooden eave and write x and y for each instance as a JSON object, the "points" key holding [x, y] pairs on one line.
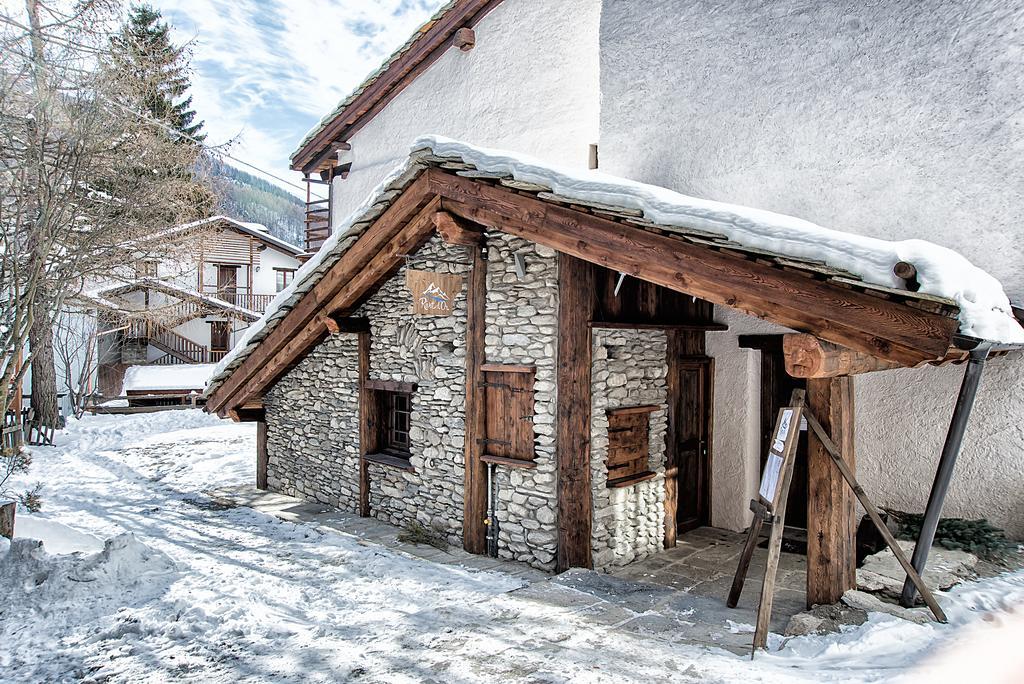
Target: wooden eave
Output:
{"points": [[430, 42], [901, 327]]}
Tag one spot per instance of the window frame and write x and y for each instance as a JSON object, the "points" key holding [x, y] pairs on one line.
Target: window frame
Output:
{"points": [[286, 276]]}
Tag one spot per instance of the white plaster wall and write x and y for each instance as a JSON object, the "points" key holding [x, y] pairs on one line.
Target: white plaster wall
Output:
{"points": [[531, 84], [736, 458], [264, 278], [896, 120]]}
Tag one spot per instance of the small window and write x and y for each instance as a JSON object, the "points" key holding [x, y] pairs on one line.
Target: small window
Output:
{"points": [[284, 277], [389, 423], [146, 269], [629, 440], [508, 407], [397, 419]]}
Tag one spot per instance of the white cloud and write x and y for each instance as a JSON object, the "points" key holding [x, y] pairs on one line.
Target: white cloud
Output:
{"points": [[265, 71]]}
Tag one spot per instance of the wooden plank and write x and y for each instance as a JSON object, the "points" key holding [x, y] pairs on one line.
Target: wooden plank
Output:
{"points": [[575, 516], [390, 386], [474, 529], [626, 410], [777, 506], [865, 501], [456, 231], [809, 357], [507, 461], [507, 368], [753, 536], [362, 283], [356, 258], [831, 519], [261, 455], [879, 327], [367, 423], [715, 327]]}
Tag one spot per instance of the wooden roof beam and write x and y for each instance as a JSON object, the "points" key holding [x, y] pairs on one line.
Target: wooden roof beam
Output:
{"points": [[878, 327], [809, 357]]}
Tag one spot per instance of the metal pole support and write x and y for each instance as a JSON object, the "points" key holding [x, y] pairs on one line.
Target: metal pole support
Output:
{"points": [[944, 473]]}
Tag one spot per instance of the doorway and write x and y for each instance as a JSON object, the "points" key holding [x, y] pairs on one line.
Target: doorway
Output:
{"points": [[227, 283], [688, 471], [776, 389]]}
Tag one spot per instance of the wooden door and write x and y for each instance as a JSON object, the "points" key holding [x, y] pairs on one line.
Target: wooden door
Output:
{"points": [[220, 336], [690, 433], [227, 283]]}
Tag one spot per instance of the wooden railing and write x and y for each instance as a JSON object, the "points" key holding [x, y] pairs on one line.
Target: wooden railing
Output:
{"points": [[318, 223], [246, 300], [177, 347]]}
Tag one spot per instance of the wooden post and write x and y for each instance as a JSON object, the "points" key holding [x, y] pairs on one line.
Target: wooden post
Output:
{"points": [[474, 531], [261, 455], [367, 421], [831, 522], [7, 509], [575, 293]]}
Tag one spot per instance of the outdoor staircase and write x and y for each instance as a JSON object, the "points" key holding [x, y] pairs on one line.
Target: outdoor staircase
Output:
{"points": [[176, 348]]}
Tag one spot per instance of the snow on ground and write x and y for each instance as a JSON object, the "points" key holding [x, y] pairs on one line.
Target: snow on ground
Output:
{"points": [[191, 376], [184, 590]]}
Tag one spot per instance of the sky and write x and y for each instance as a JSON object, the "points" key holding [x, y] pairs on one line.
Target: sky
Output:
{"points": [[266, 71]]}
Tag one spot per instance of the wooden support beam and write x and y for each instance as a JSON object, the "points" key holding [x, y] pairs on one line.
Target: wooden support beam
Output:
{"points": [[367, 424], [457, 231], [474, 531], [877, 326], [356, 258], [810, 357], [465, 39], [262, 455], [575, 515], [831, 519], [344, 324]]}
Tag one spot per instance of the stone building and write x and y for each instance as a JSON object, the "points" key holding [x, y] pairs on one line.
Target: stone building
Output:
{"points": [[608, 369]]}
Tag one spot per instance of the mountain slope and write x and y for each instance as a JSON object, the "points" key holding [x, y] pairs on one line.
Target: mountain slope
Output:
{"points": [[248, 198]]}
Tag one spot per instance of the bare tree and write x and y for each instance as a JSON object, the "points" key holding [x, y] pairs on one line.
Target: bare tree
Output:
{"points": [[90, 184]]}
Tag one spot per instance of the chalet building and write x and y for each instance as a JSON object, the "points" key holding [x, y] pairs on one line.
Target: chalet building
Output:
{"points": [[188, 310], [577, 367]]}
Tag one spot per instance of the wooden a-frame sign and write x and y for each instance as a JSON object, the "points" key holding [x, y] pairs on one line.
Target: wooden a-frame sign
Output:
{"points": [[770, 507]]}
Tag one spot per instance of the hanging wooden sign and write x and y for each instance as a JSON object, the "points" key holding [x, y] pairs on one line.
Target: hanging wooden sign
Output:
{"points": [[433, 294]]}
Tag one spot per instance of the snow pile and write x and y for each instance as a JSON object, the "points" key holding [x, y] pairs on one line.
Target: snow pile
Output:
{"points": [[984, 307], [57, 537], [177, 377]]}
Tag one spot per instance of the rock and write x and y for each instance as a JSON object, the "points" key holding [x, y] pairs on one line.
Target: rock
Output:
{"points": [[883, 574], [870, 603], [824, 619]]}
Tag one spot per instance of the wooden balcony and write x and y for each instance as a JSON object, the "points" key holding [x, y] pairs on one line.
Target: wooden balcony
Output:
{"points": [[246, 300]]}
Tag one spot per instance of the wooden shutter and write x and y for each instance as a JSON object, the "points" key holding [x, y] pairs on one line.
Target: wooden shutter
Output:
{"points": [[629, 441], [508, 405]]}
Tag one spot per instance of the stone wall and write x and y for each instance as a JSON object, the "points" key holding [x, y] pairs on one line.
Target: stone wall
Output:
{"points": [[313, 426], [522, 328], [629, 369], [431, 352]]}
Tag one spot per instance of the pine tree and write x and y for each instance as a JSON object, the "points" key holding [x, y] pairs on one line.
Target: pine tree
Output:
{"points": [[145, 51]]}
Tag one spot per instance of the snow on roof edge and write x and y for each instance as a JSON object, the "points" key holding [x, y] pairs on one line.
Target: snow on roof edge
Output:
{"points": [[985, 310]]}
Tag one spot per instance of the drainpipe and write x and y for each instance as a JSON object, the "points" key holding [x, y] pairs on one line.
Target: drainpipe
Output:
{"points": [[492, 513], [950, 451]]}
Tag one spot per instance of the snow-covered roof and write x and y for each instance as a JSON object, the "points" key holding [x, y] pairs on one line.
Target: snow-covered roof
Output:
{"points": [[185, 377], [257, 230], [946, 278], [100, 296]]}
